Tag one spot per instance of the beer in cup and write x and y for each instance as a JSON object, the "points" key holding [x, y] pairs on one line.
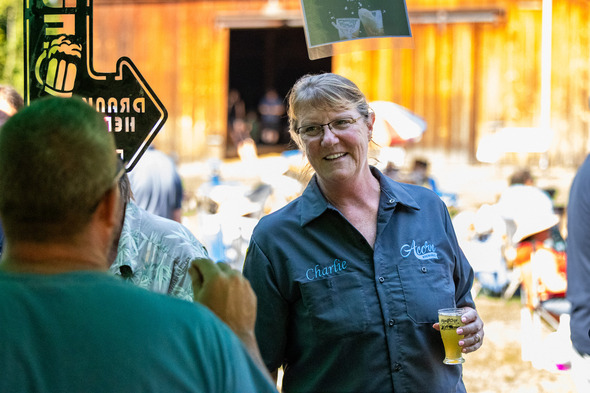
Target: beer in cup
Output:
{"points": [[449, 319]]}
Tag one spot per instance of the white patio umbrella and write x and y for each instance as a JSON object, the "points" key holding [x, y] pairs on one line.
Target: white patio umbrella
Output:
{"points": [[395, 124]]}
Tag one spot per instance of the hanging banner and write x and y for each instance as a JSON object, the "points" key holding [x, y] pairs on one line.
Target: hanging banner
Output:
{"points": [[331, 25], [58, 62]]}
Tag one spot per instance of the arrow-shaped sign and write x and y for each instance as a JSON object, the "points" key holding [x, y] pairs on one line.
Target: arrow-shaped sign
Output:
{"points": [[58, 61]]}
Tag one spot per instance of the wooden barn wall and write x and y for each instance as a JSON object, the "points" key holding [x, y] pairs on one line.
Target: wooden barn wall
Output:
{"points": [[466, 79], [571, 81], [184, 58], [469, 79]]}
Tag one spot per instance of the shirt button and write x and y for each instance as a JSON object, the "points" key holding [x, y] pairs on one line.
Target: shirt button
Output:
{"points": [[391, 322], [391, 201], [381, 280], [424, 270], [397, 367]]}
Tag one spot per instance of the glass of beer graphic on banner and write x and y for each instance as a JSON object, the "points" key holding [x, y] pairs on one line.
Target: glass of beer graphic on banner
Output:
{"points": [[449, 319]]}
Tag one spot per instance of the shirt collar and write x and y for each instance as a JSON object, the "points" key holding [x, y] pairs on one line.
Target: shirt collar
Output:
{"points": [[127, 251], [313, 203], [396, 192]]}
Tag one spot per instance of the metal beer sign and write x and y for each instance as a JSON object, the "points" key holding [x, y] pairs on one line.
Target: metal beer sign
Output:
{"points": [[58, 62]]}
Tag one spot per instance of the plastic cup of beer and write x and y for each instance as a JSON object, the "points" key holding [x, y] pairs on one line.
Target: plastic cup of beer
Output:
{"points": [[449, 319]]}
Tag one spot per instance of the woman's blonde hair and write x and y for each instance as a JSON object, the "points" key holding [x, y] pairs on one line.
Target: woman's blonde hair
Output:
{"points": [[327, 92]]}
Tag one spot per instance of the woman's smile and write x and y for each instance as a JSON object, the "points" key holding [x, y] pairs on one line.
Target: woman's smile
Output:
{"points": [[334, 156]]}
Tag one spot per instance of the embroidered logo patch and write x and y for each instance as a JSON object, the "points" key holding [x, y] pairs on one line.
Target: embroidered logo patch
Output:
{"points": [[423, 252]]}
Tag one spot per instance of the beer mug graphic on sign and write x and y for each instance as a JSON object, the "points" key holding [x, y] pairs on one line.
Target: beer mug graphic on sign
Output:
{"points": [[57, 67]]}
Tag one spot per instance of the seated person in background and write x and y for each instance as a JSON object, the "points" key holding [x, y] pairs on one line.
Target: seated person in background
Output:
{"points": [[421, 177], [523, 177], [392, 171], [153, 252], [483, 246], [69, 326], [542, 267], [513, 200]]}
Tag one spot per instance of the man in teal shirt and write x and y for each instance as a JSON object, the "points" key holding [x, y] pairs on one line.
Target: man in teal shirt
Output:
{"points": [[69, 326]]}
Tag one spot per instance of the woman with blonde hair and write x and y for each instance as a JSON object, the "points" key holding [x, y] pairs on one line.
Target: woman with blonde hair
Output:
{"points": [[350, 275]]}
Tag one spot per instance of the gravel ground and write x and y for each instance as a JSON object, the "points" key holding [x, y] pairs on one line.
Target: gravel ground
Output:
{"points": [[497, 366]]}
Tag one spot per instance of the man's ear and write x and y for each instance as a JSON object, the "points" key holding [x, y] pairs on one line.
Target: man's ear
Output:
{"points": [[108, 210]]}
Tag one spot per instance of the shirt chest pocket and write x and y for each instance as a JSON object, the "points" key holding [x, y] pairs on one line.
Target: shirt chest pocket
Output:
{"points": [[427, 288], [336, 306]]}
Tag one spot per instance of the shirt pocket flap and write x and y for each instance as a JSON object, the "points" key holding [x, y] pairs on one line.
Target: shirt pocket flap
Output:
{"points": [[427, 288], [336, 306]]}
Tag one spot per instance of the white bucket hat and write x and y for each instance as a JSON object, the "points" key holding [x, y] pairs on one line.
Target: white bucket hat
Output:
{"points": [[532, 212], [484, 219]]}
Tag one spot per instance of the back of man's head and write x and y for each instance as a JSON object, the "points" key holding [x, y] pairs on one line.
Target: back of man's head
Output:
{"points": [[57, 160]]}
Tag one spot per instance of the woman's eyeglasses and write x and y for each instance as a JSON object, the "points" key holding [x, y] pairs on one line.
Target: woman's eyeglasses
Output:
{"points": [[336, 125]]}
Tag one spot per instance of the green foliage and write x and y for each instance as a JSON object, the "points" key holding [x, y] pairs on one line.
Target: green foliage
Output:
{"points": [[12, 44]]}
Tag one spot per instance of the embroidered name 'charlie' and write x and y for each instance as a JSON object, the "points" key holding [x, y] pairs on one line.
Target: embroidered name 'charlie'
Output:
{"points": [[318, 271], [423, 252]]}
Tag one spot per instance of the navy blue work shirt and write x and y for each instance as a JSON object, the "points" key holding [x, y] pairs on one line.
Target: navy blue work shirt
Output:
{"points": [[341, 316]]}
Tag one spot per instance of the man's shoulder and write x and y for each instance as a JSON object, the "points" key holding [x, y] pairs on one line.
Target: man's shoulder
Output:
{"points": [[144, 304], [93, 288], [106, 315]]}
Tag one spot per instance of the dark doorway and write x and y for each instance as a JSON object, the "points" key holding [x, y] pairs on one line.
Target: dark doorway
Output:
{"points": [[262, 59]]}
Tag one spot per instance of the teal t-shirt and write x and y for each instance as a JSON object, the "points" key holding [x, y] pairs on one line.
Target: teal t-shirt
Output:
{"points": [[91, 332]]}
